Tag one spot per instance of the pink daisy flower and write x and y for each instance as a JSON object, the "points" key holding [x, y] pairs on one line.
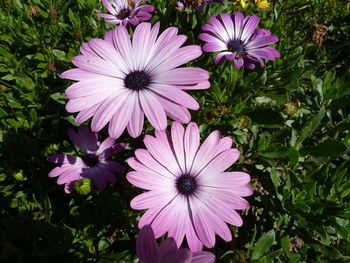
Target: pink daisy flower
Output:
{"points": [[148, 252], [92, 165], [121, 80], [190, 194], [237, 39], [126, 12]]}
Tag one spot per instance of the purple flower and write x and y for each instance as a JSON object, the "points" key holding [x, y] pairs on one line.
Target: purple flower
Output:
{"points": [[238, 39], [121, 80], [126, 12], [199, 4], [190, 194], [148, 252], [92, 165]]}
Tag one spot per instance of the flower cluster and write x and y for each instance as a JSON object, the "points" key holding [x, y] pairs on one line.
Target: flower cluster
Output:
{"points": [[120, 80]]}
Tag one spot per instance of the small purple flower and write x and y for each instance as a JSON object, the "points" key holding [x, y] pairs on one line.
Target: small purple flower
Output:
{"points": [[238, 39], [199, 4], [92, 165], [148, 252], [126, 12]]}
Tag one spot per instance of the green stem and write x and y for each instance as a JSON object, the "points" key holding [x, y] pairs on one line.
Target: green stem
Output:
{"points": [[235, 76]]}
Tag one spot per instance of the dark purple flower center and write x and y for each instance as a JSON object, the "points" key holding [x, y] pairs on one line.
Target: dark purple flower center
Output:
{"points": [[124, 13], [235, 45], [137, 80], [186, 184], [90, 160]]}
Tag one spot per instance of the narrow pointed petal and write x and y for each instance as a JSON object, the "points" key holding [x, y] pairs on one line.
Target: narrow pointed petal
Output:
{"points": [[203, 257], [191, 144], [177, 135], [146, 247], [63, 158], [153, 110], [135, 124], [121, 117]]}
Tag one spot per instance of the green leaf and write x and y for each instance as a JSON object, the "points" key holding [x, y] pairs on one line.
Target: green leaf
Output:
{"points": [[339, 177], [328, 81], [33, 115], [310, 126], [266, 117], [344, 189], [332, 252], [59, 97], [2, 112], [285, 244], [329, 149], [16, 105], [74, 18], [303, 206], [39, 56], [294, 258], [262, 144], [60, 55], [263, 244], [293, 156], [103, 244], [275, 178], [274, 155], [18, 4], [272, 255], [317, 85]]}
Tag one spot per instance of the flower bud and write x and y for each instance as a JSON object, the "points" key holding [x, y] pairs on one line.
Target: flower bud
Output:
{"points": [[243, 122], [19, 176], [291, 107], [83, 186]]}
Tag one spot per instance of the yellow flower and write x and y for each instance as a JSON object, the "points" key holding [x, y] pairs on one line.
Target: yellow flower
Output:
{"points": [[243, 3], [261, 3]]}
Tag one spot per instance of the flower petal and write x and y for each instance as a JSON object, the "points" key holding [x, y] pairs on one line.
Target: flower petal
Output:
{"points": [[250, 24], [177, 95], [203, 257], [148, 161], [146, 247], [177, 138], [153, 110], [160, 149], [221, 162], [191, 144], [135, 123], [63, 158], [123, 114], [149, 180]]}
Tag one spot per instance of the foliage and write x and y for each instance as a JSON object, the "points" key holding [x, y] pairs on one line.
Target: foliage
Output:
{"points": [[289, 119]]}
